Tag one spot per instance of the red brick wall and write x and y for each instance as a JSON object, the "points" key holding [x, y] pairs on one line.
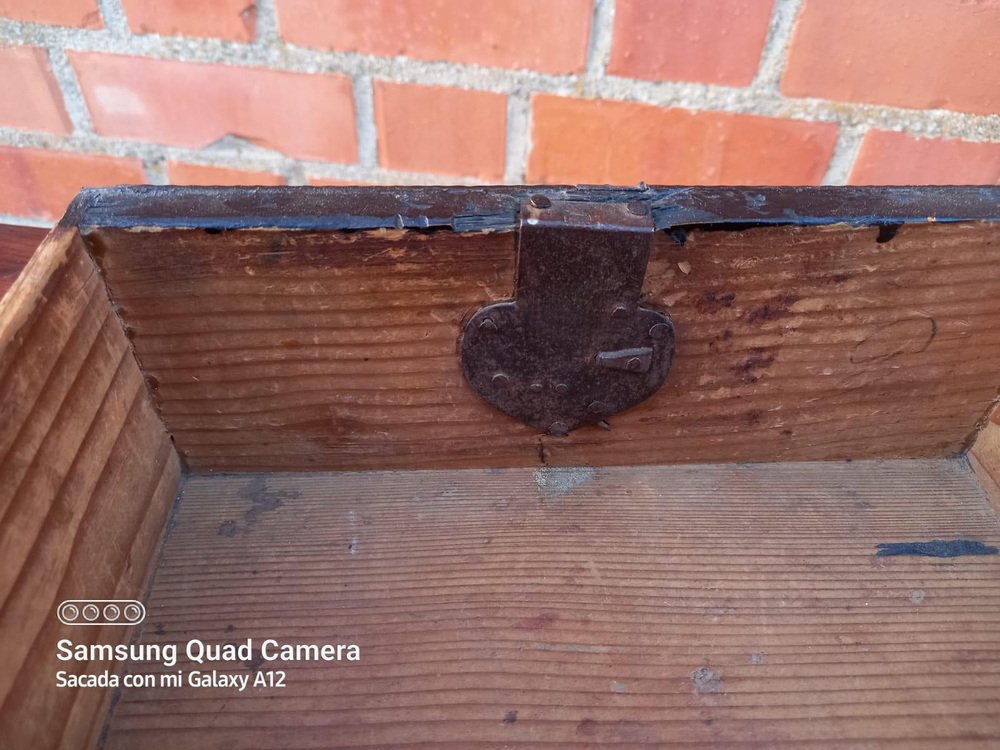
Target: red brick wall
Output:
{"points": [[438, 91]]}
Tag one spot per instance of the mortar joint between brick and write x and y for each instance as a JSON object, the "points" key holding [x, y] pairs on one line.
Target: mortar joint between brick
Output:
{"points": [[69, 87], [114, 17], [25, 221], [774, 55], [364, 114], [845, 152], [518, 144], [599, 42], [267, 35], [156, 171], [255, 160]]}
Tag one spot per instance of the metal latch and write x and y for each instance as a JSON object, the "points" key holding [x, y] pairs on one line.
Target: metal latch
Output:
{"points": [[574, 346]]}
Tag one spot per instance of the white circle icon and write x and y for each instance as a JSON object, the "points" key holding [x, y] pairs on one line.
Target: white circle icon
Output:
{"points": [[91, 612], [133, 612], [111, 612], [69, 612]]}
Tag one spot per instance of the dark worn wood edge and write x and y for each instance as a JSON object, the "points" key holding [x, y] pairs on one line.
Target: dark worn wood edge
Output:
{"points": [[472, 209]]}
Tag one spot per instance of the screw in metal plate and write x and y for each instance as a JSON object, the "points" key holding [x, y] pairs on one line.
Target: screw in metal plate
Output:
{"points": [[561, 388], [619, 311], [500, 379], [633, 364], [540, 201], [558, 429], [535, 387], [637, 208], [487, 326], [659, 331], [596, 407]]}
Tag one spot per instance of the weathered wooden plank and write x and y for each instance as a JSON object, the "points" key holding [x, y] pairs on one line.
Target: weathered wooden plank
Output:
{"points": [[569, 608], [307, 349], [84, 458]]}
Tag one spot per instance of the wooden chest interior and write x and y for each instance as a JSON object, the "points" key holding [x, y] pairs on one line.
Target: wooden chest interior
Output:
{"points": [[246, 408]]}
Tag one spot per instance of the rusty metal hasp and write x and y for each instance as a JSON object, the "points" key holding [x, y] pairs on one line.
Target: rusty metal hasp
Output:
{"points": [[574, 346]]}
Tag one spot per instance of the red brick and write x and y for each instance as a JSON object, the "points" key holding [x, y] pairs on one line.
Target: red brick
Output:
{"points": [[923, 54], [195, 104], [35, 102], [182, 173], [82, 13], [600, 141], [888, 158], [441, 130], [714, 41], [40, 183], [549, 36], [235, 20]]}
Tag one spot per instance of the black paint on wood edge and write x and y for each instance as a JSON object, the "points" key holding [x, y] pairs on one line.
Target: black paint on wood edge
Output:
{"points": [[494, 209]]}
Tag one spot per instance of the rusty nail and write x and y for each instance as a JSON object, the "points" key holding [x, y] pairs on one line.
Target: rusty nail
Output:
{"points": [[487, 326], [535, 387], [558, 429], [637, 208], [659, 331], [561, 388], [540, 201], [619, 311], [633, 364], [500, 379], [596, 407]]}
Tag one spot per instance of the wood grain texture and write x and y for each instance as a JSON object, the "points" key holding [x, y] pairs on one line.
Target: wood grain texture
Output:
{"points": [[319, 350], [16, 246], [736, 606], [87, 477]]}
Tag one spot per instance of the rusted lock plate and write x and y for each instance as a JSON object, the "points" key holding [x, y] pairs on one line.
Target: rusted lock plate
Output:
{"points": [[574, 346]]}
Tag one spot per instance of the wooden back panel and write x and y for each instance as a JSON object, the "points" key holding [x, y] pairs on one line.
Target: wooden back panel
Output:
{"points": [[88, 478], [298, 330]]}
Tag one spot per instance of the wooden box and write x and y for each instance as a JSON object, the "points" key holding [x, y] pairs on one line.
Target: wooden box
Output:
{"points": [[246, 409]]}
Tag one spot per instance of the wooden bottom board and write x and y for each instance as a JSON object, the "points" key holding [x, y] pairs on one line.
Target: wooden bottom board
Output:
{"points": [[574, 608]]}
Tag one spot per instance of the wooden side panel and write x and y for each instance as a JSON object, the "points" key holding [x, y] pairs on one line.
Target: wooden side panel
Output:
{"points": [[87, 478], [299, 350], [16, 246], [658, 607], [984, 456]]}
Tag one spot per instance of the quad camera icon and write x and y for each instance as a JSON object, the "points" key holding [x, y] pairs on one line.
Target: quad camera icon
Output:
{"points": [[101, 612]]}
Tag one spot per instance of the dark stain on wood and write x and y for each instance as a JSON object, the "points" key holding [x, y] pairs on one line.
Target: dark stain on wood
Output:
{"points": [[773, 309], [713, 302], [757, 360], [936, 548]]}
